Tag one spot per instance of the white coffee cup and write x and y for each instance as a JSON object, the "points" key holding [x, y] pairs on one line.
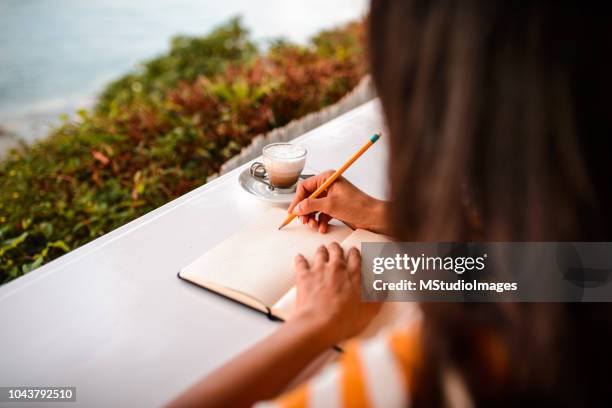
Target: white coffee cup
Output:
{"points": [[284, 163]]}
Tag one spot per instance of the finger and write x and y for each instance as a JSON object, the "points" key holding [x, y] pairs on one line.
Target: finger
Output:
{"points": [[324, 223], [301, 193], [336, 254], [354, 267], [312, 223], [314, 182], [307, 219], [321, 256], [324, 176], [353, 260], [308, 186], [300, 263], [310, 205]]}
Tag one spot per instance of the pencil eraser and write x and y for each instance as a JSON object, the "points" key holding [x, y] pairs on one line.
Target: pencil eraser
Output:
{"points": [[374, 137]]}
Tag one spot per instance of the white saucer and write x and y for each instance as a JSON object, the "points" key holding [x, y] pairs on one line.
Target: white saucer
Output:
{"points": [[263, 192]]}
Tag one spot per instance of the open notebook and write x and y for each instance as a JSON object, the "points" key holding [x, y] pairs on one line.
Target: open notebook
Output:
{"points": [[255, 266]]}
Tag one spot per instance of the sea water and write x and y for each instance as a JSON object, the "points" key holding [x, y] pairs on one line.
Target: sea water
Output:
{"points": [[55, 55]]}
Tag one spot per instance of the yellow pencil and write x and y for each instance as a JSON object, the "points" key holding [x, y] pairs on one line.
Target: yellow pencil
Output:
{"points": [[337, 174]]}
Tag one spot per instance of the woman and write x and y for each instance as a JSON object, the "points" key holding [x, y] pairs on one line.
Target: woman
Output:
{"points": [[499, 127]]}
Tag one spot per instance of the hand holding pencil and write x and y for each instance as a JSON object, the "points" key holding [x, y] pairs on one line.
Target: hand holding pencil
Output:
{"points": [[332, 196]]}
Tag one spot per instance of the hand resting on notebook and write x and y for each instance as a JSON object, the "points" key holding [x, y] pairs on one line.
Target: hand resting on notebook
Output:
{"points": [[342, 201], [328, 290]]}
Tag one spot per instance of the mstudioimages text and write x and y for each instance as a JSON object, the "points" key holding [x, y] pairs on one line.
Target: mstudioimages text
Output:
{"points": [[438, 285]]}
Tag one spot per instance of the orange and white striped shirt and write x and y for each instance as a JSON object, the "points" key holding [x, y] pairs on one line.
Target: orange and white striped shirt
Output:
{"points": [[372, 373]]}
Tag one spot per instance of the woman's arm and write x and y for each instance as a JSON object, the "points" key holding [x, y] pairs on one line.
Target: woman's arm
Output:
{"points": [[261, 372], [328, 310]]}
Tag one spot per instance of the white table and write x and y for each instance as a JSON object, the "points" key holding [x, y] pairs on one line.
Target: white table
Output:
{"points": [[113, 319]]}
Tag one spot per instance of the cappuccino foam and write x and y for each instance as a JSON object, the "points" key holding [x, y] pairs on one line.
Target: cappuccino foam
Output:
{"points": [[285, 151]]}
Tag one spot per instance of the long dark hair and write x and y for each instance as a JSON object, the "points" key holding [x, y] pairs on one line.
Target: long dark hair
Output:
{"points": [[498, 113]]}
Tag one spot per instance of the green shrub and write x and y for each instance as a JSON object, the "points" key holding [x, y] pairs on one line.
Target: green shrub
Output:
{"points": [[188, 58], [143, 145]]}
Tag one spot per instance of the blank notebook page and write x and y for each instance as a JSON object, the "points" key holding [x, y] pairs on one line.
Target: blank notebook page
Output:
{"points": [[258, 259]]}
